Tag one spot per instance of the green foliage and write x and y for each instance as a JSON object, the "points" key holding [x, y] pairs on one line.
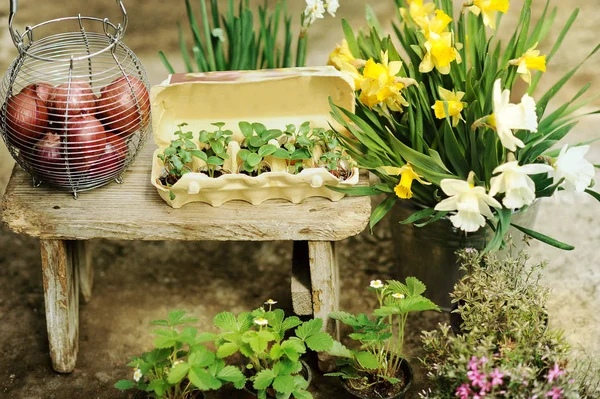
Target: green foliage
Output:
{"points": [[241, 38], [271, 345], [438, 149], [504, 327], [180, 363], [380, 338]]}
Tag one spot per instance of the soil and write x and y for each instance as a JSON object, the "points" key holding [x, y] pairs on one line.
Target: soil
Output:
{"points": [[383, 390]]}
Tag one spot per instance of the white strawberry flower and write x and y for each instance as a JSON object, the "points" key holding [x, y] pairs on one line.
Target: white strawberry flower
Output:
{"points": [[507, 116], [574, 168], [377, 284], [472, 203], [398, 295], [514, 180], [261, 321], [137, 375]]}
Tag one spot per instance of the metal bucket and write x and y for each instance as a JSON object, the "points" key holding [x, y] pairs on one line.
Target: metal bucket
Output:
{"points": [[429, 253]]}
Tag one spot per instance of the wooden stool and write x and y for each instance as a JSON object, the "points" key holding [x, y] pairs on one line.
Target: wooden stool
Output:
{"points": [[134, 211]]}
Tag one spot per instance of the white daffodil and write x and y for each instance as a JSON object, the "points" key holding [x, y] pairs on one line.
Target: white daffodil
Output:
{"points": [[398, 295], [332, 6], [472, 204], [377, 284], [261, 321], [514, 180], [315, 9], [137, 375], [507, 116], [574, 168]]}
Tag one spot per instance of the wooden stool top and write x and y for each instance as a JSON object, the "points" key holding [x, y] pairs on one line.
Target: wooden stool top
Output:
{"points": [[134, 211]]}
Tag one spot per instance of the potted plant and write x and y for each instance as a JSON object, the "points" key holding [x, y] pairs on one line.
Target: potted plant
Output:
{"points": [[505, 348], [461, 152], [271, 346], [219, 164], [180, 366], [378, 368]]}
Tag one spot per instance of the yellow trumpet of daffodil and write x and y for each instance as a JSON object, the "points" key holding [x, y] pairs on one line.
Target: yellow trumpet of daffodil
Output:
{"points": [[380, 86], [440, 53], [438, 24], [407, 175], [455, 105], [489, 8], [419, 12], [342, 59], [528, 61]]}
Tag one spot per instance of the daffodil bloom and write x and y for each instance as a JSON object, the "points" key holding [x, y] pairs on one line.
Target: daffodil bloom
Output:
{"points": [[377, 284], [315, 9], [440, 53], [507, 116], [455, 105], [514, 180], [574, 168], [331, 6], [137, 375], [489, 8], [438, 24], [398, 295], [270, 302], [419, 12], [407, 176], [342, 59], [380, 86], [528, 61], [261, 321], [472, 204]]}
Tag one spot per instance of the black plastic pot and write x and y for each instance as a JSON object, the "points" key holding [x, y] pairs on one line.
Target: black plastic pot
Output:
{"points": [[306, 373], [408, 378]]}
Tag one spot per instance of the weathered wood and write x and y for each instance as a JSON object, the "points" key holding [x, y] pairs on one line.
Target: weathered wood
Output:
{"points": [[134, 211], [301, 287], [82, 261], [324, 278], [61, 292]]}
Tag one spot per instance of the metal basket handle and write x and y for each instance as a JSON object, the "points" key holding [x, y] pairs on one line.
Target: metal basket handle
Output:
{"points": [[18, 39]]}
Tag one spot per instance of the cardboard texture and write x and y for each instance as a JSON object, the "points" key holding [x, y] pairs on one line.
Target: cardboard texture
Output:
{"points": [[275, 98]]}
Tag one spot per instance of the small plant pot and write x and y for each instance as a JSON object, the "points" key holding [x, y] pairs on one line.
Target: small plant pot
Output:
{"points": [[306, 373], [407, 376]]}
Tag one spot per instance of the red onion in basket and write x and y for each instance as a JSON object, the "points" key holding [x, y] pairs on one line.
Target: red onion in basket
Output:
{"points": [[78, 97], [41, 90], [26, 119], [48, 151], [121, 110], [85, 142], [112, 159]]}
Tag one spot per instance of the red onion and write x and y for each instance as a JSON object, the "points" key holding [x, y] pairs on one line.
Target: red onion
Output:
{"points": [[41, 90], [26, 118], [121, 110], [112, 159], [78, 97], [85, 142], [46, 158]]}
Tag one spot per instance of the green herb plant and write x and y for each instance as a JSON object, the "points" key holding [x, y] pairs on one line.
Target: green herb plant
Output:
{"points": [[505, 347], [180, 364], [271, 345], [215, 147], [233, 41], [378, 358]]}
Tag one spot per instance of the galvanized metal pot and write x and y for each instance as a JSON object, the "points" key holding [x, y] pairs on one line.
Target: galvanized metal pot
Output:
{"points": [[429, 253]]}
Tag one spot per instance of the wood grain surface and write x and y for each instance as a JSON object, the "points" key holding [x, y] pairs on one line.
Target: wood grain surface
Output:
{"points": [[134, 211]]}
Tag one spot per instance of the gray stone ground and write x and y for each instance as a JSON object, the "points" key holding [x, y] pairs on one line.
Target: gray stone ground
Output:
{"points": [[139, 281]]}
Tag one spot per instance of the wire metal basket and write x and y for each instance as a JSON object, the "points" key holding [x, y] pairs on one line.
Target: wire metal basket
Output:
{"points": [[75, 104]]}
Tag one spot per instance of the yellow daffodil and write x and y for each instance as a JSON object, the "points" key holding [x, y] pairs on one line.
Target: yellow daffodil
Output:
{"points": [[489, 8], [528, 61], [440, 53], [342, 59], [380, 86], [407, 175], [455, 105], [438, 24], [419, 12]]}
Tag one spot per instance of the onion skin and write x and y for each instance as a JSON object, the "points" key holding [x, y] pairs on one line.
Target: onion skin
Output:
{"points": [[43, 91], [112, 160], [118, 108], [85, 142], [79, 98], [26, 118], [46, 158]]}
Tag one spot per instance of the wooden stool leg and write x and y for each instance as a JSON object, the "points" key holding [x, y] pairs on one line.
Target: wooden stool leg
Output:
{"points": [[325, 291], [82, 258], [302, 300], [61, 292]]}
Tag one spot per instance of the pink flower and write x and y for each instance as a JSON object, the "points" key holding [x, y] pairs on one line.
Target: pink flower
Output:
{"points": [[554, 373], [477, 379], [497, 377], [463, 391], [473, 363], [555, 393]]}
